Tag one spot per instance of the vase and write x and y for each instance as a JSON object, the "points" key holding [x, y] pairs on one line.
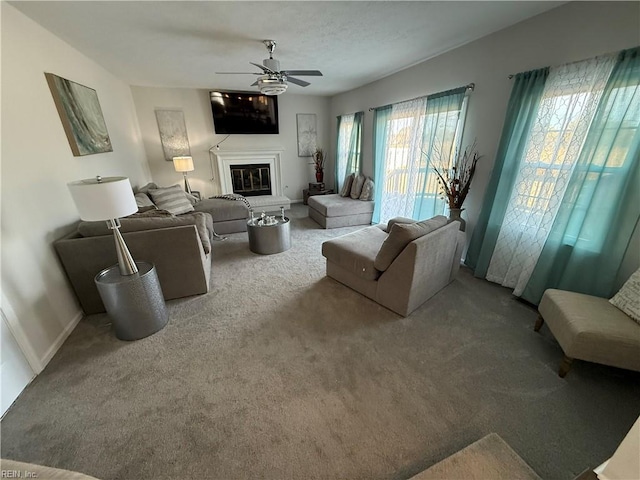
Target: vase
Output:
{"points": [[319, 176], [455, 216]]}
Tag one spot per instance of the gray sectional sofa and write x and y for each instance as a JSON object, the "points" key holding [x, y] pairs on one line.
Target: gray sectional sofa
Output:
{"points": [[179, 247], [400, 266]]}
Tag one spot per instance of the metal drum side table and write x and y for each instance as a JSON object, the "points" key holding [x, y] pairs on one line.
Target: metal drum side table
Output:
{"points": [[268, 235], [134, 302]]}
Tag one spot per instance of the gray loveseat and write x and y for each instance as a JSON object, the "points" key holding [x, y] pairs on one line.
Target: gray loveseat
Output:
{"points": [[399, 267], [179, 247]]}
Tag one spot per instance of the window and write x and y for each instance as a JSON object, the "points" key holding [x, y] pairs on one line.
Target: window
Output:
{"points": [[412, 138], [349, 151], [556, 139]]}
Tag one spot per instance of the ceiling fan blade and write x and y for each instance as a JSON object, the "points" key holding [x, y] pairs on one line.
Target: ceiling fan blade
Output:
{"points": [[238, 73], [303, 73], [254, 84], [297, 81], [264, 69]]}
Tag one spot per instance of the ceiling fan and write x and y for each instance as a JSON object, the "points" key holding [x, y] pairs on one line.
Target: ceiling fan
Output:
{"points": [[272, 80]]}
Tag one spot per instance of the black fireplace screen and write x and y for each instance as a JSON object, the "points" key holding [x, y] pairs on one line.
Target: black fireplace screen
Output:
{"points": [[251, 180]]}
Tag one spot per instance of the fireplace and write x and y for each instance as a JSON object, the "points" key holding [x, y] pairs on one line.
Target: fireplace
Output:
{"points": [[255, 167], [251, 179]]}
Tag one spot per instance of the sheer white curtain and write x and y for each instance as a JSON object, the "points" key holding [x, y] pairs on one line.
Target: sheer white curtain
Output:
{"points": [[404, 132], [568, 104], [345, 128]]}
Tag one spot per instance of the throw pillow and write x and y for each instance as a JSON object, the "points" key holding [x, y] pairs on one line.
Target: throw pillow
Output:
{"points": [[398, 220], [367, 190], [147, 187], [356, 187], [401, 235], [628, 298], [172, 199], [346, 188], [143, 200]]}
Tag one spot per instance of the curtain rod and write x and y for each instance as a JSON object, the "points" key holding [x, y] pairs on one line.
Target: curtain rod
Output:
{"points": [[617, 52], [470, 86]]}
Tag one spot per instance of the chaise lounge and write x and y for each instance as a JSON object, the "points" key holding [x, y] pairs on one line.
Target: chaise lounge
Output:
{"points": [[400, 267], [334, 211]]}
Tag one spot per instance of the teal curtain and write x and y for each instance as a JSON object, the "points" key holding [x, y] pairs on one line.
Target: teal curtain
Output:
{"points": [[438, 141], [601, 206], [521, 112], [354, 150], [381, 118]]}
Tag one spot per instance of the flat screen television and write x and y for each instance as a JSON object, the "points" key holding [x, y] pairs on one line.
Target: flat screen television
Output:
{"points": [[244, 112]]}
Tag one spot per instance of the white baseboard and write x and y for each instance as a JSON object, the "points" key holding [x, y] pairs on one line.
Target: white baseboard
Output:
{"points": [[60, 340]]}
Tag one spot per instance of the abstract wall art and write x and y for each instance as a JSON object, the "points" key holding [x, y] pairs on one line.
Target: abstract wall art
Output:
{"points": [[81, 116], [173, 134], [307, 134]]}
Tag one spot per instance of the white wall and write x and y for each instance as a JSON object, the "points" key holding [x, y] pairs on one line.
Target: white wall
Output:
{"points": [[572, 32], [296, 171], [36, 165]]}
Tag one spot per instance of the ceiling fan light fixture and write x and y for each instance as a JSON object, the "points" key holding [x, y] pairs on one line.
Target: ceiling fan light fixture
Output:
{"points": [[269, 85]]}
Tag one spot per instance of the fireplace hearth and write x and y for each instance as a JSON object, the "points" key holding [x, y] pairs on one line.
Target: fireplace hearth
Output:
{"points": [[251, 179]]}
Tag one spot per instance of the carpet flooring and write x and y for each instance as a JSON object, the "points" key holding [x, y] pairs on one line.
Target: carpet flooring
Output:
{"points": [[282, 373]]}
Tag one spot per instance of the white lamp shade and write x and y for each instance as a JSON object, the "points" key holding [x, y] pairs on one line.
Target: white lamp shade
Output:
{"points": [[103, 198], [183, 164]]}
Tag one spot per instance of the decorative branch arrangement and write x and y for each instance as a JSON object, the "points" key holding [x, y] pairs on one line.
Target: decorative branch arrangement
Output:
{"points": [[318, 159], [455, 181]]}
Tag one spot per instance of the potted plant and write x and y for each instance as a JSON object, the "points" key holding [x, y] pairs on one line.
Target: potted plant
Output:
{"points": [[456, 181], [318, 161]]}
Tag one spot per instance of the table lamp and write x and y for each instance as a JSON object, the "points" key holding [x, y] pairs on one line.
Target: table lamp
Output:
{"points": [[184, 165], [108, 199]]}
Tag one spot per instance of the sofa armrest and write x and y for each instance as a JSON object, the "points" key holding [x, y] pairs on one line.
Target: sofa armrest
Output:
{"points": [[182, 266]]}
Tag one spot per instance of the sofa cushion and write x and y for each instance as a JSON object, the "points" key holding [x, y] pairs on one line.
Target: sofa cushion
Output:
{"points": [[139, 222], [336, 206], [367, 190], [172, 199], [346, 187], [628, 298], [400, 235], [356, 252], [356, 186]]}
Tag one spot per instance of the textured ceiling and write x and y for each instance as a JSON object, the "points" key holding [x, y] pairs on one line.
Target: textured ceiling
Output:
{"points": [[183, 44]]}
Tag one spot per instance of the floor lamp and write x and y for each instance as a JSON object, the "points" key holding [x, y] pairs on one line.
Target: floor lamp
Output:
{"points": [[130, 291], [184, 165]]}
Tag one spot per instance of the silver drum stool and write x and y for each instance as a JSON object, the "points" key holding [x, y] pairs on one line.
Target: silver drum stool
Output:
{"points": [[268, 238], [134, 302]]}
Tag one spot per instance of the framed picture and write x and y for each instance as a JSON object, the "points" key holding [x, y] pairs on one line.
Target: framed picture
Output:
{"points": [[307, 134], [173, 134], [81, 116]]}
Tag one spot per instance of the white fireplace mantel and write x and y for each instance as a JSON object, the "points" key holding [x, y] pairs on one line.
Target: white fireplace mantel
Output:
{"points": [[225, 159]]}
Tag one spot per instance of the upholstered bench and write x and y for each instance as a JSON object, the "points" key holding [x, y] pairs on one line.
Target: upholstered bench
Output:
{"points": [[590, 328], [333, 211], [269, 203]]}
